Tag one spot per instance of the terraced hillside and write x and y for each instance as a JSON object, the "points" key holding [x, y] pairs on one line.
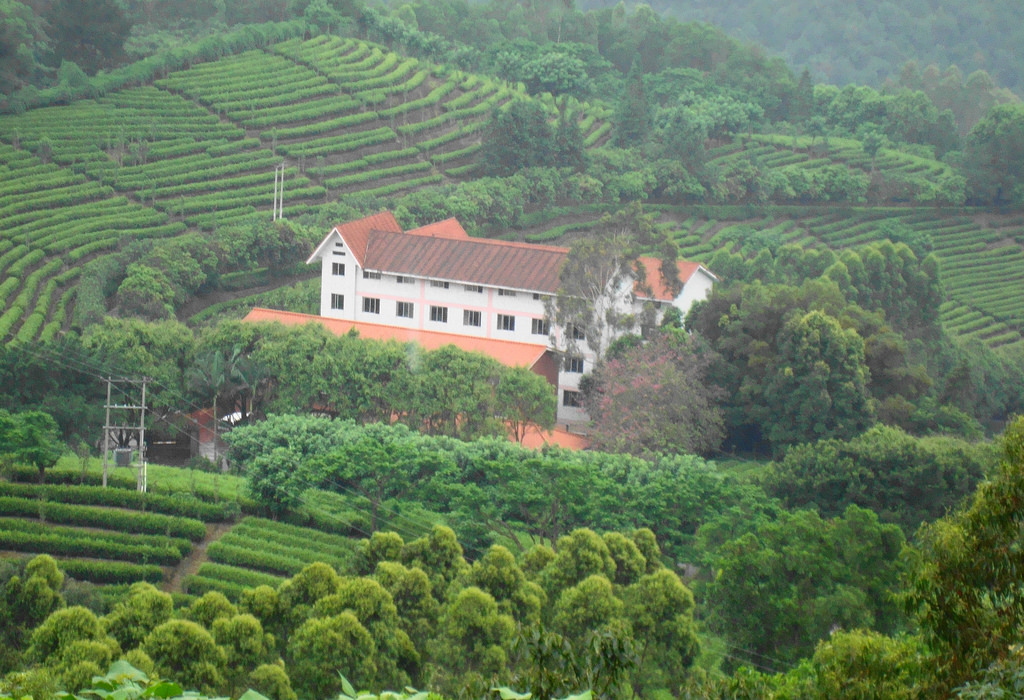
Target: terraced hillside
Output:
{"points": [[114, 535], [199, 148]]}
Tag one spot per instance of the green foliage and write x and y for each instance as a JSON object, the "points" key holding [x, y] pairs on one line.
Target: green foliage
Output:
{"points": [[31, 437], [962, 587], [787, 583], [905, 480], [517, 137]]}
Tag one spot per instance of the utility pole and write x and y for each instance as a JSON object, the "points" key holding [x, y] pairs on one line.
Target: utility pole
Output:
{"points": [[278, 206], [124, 430]]}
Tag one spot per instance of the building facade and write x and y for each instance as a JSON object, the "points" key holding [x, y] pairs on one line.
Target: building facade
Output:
{"points": [[438, 279]]}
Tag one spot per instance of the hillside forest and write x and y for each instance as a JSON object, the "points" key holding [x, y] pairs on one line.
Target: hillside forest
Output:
{"points": [[809, 486]]}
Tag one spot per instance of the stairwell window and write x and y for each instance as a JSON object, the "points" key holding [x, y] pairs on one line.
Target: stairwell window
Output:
{"points": [[338, 269], [506, 322], [338, 302]]}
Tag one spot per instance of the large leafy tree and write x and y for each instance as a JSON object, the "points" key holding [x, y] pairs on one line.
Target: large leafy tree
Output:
{"points": [[818, 386], [995, 156], [966, 589], [790, 582], [518, 136], [31, 437], [656, 397]]}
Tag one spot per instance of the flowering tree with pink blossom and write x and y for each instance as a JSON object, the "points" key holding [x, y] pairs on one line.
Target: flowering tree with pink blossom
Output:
{"points": [[656, 398]]}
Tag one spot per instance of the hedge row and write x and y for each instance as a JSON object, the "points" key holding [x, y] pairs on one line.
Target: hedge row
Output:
{"points": [[181, 505], [197, 585], [236, 575], [338, 144], [105, 518], [370, 175], [321, 127], [86, 545], [248, 558], [182, 545], [300, 551], [273, 529], [111, 571]]}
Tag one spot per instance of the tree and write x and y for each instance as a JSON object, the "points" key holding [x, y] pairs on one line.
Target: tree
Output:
{"points": [[324, 647], [632, 116], [524, 400], [473, 640], [789, 582], [382, 463], [594, 286], [184, 649], [135, 617], [93, 40], [660, 609], [994, 155], [22, 41], [965, 584], [818, 386], [30, 437], [656, 398], [517, 136]]}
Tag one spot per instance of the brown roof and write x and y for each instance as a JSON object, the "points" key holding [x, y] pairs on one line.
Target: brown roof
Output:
{"points": [[471, 260]]}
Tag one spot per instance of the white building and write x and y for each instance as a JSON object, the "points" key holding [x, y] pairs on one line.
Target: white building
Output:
{"points": [[438, 279]]}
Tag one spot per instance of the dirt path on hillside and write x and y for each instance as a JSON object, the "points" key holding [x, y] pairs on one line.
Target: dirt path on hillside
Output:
{"points": [[191, 563]]}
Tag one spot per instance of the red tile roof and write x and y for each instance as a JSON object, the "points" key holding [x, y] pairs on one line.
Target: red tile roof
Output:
{"points": [[656, 282], [356, 233], [449, 228], [506, 352]]}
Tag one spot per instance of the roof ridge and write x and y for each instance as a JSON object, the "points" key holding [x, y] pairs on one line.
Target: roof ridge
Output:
{"points": [[487, 241]]}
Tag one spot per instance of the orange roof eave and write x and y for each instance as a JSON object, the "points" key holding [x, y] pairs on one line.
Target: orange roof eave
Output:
{"points": [[509, 353]]}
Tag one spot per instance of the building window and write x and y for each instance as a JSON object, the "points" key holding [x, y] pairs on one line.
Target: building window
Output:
{"points": [[471, 318], [371, 305], [404, 309], [438, 284], [506, 323], [338, 301], [339, 248], [577, 332], [405, 280], [572, 399], [367, 275], [540, 326], [574, 364], [338, 269], [473, 288], [506, 293], [439, 314]]}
